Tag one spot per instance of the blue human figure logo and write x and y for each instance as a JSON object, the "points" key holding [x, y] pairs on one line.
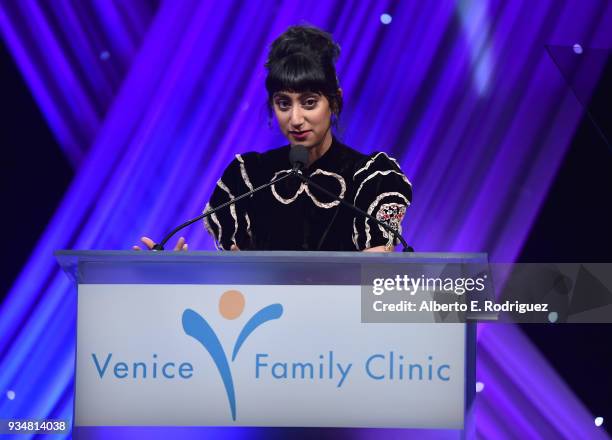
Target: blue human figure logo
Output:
{"points": [[231, 305]]}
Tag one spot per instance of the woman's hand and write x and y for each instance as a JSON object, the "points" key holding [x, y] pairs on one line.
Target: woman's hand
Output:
{"points": [[180, 244], [379, 249], [234, 248]]}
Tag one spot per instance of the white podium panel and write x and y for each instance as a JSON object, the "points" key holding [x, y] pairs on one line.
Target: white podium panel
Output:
{"points": [[261, 355], [270, 339]]}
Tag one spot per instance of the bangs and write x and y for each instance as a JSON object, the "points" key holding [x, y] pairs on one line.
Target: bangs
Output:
{"points": [[297, 73]]}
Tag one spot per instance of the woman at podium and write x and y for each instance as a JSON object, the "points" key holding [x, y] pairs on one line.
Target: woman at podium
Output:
{"points": [[306, 99]]}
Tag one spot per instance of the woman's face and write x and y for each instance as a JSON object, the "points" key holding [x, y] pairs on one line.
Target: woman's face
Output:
{"points": [[304, 118]]}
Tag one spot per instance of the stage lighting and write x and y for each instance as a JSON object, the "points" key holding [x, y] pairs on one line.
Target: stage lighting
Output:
{"points": [[385, 18]]}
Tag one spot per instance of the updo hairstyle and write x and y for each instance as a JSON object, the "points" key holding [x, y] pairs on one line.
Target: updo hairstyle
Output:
{"points": [[303, 59]]}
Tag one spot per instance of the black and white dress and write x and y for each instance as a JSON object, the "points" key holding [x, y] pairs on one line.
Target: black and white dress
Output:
{"points": [[292, 216]]}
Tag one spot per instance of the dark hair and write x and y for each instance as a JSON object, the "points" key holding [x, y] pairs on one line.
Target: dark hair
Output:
{"points": [[302, 59]]}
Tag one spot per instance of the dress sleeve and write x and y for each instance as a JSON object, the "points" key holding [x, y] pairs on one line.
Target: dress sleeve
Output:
{"points": [[383, 191], [231, 225]]}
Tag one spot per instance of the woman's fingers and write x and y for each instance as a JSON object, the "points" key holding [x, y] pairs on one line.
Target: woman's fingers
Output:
{"points": [[180, 244], [147, 242], [378, 249], [234, 248]]}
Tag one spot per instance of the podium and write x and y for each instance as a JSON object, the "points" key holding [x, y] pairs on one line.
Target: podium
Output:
{"points": [[259, 339]]}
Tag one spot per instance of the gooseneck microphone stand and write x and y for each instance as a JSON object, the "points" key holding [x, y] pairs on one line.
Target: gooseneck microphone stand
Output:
{"points": [[160, 246]]}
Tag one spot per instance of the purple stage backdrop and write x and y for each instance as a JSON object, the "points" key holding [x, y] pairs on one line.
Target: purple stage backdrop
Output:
{"points": [[151, 100]]}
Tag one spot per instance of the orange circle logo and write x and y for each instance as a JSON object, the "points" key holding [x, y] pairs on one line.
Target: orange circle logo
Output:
{"points": [[231, 304]]}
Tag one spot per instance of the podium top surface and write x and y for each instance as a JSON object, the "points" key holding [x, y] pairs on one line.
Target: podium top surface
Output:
{"points": [[250, 267]]}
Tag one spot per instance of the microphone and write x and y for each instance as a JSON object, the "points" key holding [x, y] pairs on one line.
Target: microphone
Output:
{"points": [[298, 156]]}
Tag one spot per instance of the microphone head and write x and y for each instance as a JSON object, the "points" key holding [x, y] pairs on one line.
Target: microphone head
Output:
{"points": [[298, 156]]}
